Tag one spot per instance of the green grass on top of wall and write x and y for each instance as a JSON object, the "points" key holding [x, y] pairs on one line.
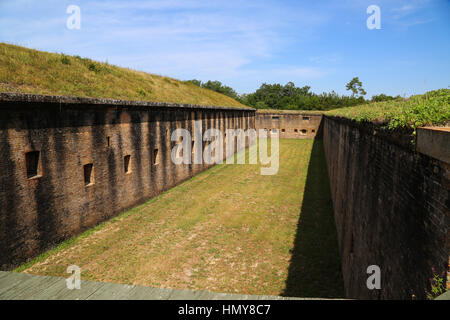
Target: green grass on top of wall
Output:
{"points": [[281, 111], [24, 70], [432, 108]]}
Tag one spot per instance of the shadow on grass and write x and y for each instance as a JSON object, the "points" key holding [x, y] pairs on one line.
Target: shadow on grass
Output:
{"points": [[315, 270]]}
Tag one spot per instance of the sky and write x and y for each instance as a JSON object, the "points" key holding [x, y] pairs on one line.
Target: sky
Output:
{"points": [[322, 44]]}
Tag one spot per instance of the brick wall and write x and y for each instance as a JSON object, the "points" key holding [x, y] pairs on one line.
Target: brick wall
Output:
{"points": [[290, 125], [96, 159], [391, 209]]}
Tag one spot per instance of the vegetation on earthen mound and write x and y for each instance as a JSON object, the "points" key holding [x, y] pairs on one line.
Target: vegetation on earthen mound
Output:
{"points": [[26, 70], [431, 108]]}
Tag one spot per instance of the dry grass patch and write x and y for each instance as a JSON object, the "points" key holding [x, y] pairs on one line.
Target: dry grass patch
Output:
{"points": [[228, 229]]}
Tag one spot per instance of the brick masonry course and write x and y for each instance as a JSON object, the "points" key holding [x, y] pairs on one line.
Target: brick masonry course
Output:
{"points": [[68, 164], [391, 207], [290, 125]]}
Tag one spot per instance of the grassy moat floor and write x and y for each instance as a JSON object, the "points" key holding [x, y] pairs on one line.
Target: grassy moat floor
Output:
{"points": [[229, 229]]}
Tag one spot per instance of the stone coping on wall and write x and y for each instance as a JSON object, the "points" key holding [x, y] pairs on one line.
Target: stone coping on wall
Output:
{"points": [[38, 98], [434, 142]]}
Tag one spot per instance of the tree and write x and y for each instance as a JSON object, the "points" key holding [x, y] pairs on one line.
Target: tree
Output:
{"points": [[194, 81], [219, 87], [289, 96], [383, 97], [355, 85]]}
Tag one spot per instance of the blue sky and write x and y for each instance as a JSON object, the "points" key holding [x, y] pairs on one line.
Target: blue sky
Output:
{"points": [[322, 44]]}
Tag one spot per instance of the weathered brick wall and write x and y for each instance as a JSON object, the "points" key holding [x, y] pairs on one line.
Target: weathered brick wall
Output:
{"points": [[37, 213], [391, 209], [290, 125]]}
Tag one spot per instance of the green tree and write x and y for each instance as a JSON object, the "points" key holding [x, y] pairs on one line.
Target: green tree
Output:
{"points": [[383, 97], [289, 96], [194, 81], [355, 85], [219, 87]]}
